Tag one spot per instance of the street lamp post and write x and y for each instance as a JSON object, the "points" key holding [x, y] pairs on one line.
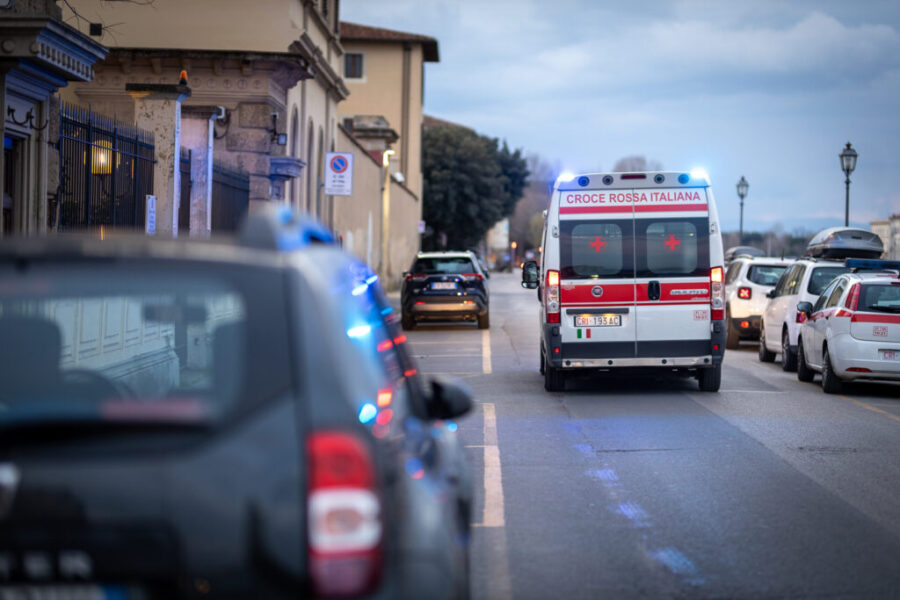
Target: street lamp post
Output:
{"points": [[742, 187], [848, 163]]}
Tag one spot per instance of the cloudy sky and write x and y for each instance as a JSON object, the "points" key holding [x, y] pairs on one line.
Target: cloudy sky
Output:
{"points": [[767, 89]]}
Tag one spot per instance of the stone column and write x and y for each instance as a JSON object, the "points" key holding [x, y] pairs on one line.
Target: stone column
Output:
{"points": [[197, 136], [157, 108]]}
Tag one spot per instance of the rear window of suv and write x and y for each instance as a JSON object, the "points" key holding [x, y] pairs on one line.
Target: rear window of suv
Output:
{"points": [[765, 274], [444, 265], [822, 276], [144, 342]]}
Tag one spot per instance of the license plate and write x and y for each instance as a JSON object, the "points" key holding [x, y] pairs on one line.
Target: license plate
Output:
{"points": [[598, 321], [66, 592], [890, 355], [443, 285]]}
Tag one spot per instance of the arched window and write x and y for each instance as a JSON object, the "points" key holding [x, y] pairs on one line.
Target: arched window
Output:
{"points": [[310, 170], [294, 194], [320, 169]]}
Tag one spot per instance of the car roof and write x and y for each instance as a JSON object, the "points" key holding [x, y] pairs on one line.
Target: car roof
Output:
{"points": [[769, 260], [446, 254], [878, 277]]}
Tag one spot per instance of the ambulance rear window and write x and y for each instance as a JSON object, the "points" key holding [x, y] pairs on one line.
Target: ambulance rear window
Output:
{"points": [[595, 249], [673, 247]]}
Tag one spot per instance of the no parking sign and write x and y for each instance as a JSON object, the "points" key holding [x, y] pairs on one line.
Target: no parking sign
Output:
{"points": [[339, 174]]}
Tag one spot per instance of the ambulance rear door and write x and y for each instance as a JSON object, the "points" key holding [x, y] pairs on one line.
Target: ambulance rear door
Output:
{"points": [[672, 264], [597, 292]]}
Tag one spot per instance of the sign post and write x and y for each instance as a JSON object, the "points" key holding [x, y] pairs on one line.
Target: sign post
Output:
{"points": [[339, 174]]}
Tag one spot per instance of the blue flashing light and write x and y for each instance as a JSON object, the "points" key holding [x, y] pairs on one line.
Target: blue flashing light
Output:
{"points": [[699, 174], [684, 178], [367, 412], [452, 427], [359, 331], [387, 311], [565, 177], [871, 264], [583, 181], [372, 279], [360, 289]]}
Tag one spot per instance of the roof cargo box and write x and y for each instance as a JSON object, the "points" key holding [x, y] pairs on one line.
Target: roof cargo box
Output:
{"points": [[845, 242]]}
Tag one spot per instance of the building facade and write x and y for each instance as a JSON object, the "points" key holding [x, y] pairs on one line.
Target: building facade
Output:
{"points": [[889, 232]]}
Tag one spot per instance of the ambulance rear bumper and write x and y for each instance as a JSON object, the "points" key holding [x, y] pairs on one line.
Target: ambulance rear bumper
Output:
{"points": [[689, 362]]}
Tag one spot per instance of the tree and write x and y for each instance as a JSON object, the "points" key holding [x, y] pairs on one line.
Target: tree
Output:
{"points": [[470, 183], [636, 164]]}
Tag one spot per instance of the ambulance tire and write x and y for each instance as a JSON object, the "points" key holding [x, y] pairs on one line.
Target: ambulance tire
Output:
{"points": [[407, 322], [764, 354], [554, 379], [484, 321], [804, 373], [710, 379], [788, 358], [830, 382], [733, 339]]}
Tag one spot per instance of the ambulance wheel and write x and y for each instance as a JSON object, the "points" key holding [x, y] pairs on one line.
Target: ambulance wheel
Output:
{"points": [[554, 379], [788, 358], [830, 382], [710, 379], [733, 339], [542, 361], [407, 322], [484, 321], [804, 373], [764, 354]]}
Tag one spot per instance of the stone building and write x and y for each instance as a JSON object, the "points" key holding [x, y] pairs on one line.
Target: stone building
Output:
{"points": [[39, 54], [889, 232]]}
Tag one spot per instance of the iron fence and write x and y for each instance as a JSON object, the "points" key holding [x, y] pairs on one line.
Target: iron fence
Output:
{"points": [[106, 170], [230, 197], [184, 206]]}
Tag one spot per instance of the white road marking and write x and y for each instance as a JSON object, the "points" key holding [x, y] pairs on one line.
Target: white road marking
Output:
{"points": [[498, 585], [486, 351]]}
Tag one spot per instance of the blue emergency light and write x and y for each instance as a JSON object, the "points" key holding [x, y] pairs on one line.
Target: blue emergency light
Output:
{"points": [[871, 264]]}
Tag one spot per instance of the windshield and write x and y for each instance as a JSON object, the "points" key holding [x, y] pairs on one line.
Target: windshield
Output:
{"points": [[765, 274], [822, 276], [139, 344], [880, 298], [450, 265]]}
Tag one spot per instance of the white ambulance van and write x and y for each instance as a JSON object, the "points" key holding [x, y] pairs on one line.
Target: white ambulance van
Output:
{"points": [[631, 277]]}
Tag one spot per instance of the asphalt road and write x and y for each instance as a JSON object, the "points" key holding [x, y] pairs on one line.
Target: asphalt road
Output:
{"points": [[648, 488]]}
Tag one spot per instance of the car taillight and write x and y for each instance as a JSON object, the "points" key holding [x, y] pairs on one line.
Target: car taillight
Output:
{"points": [[473, 276], [853, 298], [415, 277], [801, 317], [745, 293], [344, 514], [551, 297], [717, 296]]}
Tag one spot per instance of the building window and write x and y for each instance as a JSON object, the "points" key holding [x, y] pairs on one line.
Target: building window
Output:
{"points": [[353, 66], [325, 8]]}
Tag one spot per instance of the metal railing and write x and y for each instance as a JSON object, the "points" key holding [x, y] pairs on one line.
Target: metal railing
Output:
{"points": [[184, 206], [105, 171], [230, 197]]}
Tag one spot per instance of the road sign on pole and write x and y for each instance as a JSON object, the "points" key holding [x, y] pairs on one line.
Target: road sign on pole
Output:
{"points": [[339, 174]]}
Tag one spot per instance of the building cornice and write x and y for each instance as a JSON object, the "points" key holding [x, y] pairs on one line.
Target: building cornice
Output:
{"points": [[324, 73]]}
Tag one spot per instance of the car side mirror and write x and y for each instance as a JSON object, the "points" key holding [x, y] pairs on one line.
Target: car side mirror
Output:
{"points": [[530, 275], [448, 399], [770, 294], [805, 307]]}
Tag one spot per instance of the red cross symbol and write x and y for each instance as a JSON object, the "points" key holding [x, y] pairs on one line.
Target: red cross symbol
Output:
{"points": [[598, 244], [672, 242]]}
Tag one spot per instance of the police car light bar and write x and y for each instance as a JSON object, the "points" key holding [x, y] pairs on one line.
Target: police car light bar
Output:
{"points": [[871, 264]]}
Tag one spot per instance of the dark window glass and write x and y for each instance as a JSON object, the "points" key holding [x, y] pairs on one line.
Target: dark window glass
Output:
{"points": [[673, 248], [835, 295], [880, 298], [820, 302], [765, 274], [821, 276], [353, 66], [781, 286], [443, 266], [140, 342], [596, 249]]}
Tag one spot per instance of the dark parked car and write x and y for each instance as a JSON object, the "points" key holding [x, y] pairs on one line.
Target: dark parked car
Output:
{"points": [[225, 420], [445, 286]]}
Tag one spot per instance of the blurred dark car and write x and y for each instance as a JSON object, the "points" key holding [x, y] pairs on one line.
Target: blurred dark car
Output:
{"points": [[219, 420], [442, 286]]}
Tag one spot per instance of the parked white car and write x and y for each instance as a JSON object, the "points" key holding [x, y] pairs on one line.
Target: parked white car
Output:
{"points": [[804, 280], [747, 281], [852, 332]]}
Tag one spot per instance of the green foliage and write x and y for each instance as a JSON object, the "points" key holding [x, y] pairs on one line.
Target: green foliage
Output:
{"points": [[470, 183]]}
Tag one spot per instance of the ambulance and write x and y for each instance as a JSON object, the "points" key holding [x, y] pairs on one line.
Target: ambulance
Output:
{"points": [[631, 277]]}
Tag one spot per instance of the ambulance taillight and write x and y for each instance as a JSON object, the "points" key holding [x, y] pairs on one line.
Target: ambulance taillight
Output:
{"points": [[551, 297], [717, 287]]}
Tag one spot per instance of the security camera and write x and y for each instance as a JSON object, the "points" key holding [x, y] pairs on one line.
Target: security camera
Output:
{"points": [[220, 112]]}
